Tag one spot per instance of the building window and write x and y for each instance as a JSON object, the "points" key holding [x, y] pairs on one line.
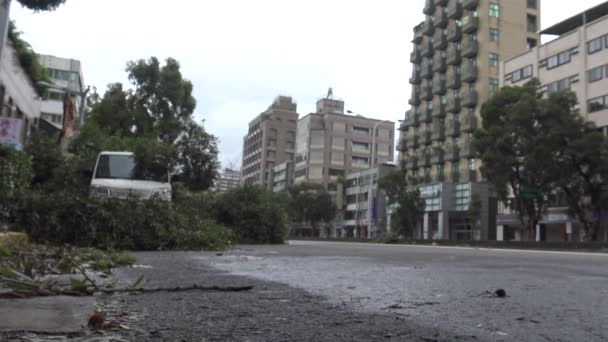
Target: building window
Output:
{"points": [[532, 4], [531, 21], [597, 103], [494, 10], [360, 146], [493, 86], [493, 60], [559, 59], [338, 143], [527, 72], [339, 127], [471, 164], [594, 45], [531, 42], [596, 74], [494, 34], [360, 161], [361, 130], [440, 171], [562, 84]]}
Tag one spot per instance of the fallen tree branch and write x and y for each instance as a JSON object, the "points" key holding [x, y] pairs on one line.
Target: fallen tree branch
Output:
{"points": [[18, 282], [182, 289], [84, 273]]}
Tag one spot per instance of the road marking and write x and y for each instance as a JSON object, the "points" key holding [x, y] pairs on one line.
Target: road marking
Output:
{"points": [[508, 250]]}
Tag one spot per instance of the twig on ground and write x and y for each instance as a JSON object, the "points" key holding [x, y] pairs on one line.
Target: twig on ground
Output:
{"points": [[84, 273], [181, 289]]}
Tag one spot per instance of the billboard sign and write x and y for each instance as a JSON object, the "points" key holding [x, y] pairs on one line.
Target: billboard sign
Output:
{"points": [[11, 132]]}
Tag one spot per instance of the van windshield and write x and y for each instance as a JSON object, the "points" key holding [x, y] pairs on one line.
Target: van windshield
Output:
{"points": [[123, 167]]}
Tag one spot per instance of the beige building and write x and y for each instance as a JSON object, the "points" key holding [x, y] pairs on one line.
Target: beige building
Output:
{"points": [[577, 60], [229, 179], [271, 140], [332, 144], [456, 67]]}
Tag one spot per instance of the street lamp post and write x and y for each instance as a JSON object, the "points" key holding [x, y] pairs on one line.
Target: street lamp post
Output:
{"points": [[82, 94], [371, 180]]}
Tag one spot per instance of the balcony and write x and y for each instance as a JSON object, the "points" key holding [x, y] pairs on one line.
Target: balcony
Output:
{"points": [[439, 110], [439, 87], [427, 115], [411, 162], [416, 118], [427, 137], [453, 129], [455, 10], [453, 56], [455, 177], [467, 150], [407, 121], [415, 141], [440, 40], [470, 123], [470, 48], [427, 48], [440, 64], [469, 73], [427, 93], [425, 158], [415, 56], [453, 81], [454, 33], [426, 71], [439, 133], [429, 7], [415, 98], [428, 29], [438, 156], [418, 35], [402, 145], [470, 4], [452, 153], [470, 24], [415, 79], [453, 105], [441, 19], [469, 99], [472, 176]]}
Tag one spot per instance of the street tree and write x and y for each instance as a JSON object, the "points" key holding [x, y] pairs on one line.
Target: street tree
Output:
{"points": [[405, 201], [311, 203], [532, 145], [41, 5]]}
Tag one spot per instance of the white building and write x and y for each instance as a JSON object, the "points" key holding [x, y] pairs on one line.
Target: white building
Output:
{"points": [[19, 101], [64, 73], [229, 179]]}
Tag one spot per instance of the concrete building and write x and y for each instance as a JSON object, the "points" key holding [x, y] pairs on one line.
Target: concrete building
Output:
{"points": [[356, 222], [456, 67], [577, 60], [332, 144], [271, 140], [64, 73], [229, 179], [281, 177], [19, 101]]}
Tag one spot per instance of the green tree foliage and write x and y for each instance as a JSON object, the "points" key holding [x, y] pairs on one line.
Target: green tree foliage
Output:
{"points": [[28, 59], [407, 204], [311, 203], [254, 214], [46, 157], [532, 145], [41, 5], [155, 120]]}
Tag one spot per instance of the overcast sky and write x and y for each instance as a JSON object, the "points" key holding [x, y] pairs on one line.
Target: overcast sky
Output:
{"points": [[240, 54]]}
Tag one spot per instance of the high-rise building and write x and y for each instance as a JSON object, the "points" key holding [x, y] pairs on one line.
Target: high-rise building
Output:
{"points": [[281, 177], [271, 140], [456, 60], [331, 144], [229, 179], [577, 60], [65, 73]]}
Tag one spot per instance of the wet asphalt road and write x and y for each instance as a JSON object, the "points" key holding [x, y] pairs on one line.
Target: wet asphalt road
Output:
{"points": [[551, 296]]}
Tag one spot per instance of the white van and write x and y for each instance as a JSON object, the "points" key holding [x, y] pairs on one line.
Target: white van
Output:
{"points": [[114, 176]]}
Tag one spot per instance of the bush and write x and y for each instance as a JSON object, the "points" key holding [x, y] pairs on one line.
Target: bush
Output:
{"points": [[132, 224], [255, 215]]}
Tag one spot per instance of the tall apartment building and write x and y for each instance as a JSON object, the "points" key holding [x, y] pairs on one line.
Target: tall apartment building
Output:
{"points": [[576, 60], [456, 67], [229, 179], [331, 144], [271, 140], [65, 73]]}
